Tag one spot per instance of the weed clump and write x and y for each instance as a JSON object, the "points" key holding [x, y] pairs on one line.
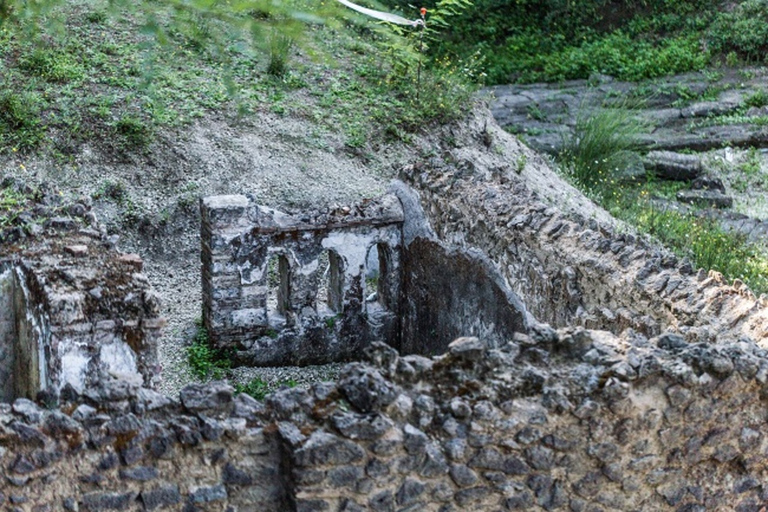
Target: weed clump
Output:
{"points": [[601, 145], [258, 388], [20, 124], [206, 361]]}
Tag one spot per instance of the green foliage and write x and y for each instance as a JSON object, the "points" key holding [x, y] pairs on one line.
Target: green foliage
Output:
{"points": [[602, 144], [119, 72], [705, 244], [51, 64], [551, 40], [742, 31], [134, 131], [20, 123], [757, 99], [12, 204], [280, 46], [205, 361], [259, 389]]}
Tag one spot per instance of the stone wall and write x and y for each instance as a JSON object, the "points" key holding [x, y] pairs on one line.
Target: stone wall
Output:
{"points": [[569, 270], [413, 292], [556, 420], [307, 288], [73, 308]]}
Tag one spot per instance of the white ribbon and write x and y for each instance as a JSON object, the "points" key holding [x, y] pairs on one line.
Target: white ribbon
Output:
{"points": [[383, 16]]}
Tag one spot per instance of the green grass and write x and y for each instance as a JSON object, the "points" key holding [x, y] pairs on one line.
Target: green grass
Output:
{"points": [[600, 145], [120, 77], [259, 389], [205, 361], [697, 238]]}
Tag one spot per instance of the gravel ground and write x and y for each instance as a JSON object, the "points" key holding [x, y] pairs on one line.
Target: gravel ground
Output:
{"points": [[150, 200]]}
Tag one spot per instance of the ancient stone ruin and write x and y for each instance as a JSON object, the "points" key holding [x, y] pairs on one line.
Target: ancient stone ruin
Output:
{"points": [[647, 392], [320, 286], [72, 310]]}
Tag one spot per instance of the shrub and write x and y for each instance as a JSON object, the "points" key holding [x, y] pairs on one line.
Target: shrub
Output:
{"points": [[744, 31]]}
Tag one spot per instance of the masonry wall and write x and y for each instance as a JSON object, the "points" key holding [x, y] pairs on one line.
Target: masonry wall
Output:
{"points": [[73, 307], [450, 292], [568, 420], [269, 295], [572, 271]]}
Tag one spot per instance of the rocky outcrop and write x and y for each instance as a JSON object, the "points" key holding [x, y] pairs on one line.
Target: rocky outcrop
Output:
{"points": [[681, 112]]}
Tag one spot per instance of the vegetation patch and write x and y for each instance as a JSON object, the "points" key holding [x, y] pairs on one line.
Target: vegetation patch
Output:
{"points": [[207, 362], [259, 388], [594, 159]]}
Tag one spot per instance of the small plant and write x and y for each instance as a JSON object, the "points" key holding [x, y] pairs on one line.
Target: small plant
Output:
{"points": [[330, 322], [280, 46], [52, 65], [520, 163], [601, 145], [206, 362], [134, 131], [258, 388], [112, 190], [757, 99], [20, 125]]}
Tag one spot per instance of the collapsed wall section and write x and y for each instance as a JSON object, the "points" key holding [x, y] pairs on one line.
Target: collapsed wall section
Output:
{"points": [[308, 288], [72, 308]]}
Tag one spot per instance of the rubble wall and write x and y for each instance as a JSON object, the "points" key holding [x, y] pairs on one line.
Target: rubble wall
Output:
{"points": [[572, 271], [571, 420]]}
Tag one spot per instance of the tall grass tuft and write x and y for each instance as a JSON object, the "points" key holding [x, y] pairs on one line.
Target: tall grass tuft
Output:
{"points": [[280, 46], [601, 145]]}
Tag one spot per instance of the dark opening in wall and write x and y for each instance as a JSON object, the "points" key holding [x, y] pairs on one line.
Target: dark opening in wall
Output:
{"points": [[278, 289], [330, 287], [21, 362], [378, 288]]}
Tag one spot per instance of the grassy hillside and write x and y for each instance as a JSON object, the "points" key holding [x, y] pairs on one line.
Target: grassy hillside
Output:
{"points": [[85, 71]]}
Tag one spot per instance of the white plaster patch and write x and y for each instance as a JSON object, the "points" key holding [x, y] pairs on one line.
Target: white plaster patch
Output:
{"points": [[309, 268], [118, 358], [73, 368], [352, 247]]}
